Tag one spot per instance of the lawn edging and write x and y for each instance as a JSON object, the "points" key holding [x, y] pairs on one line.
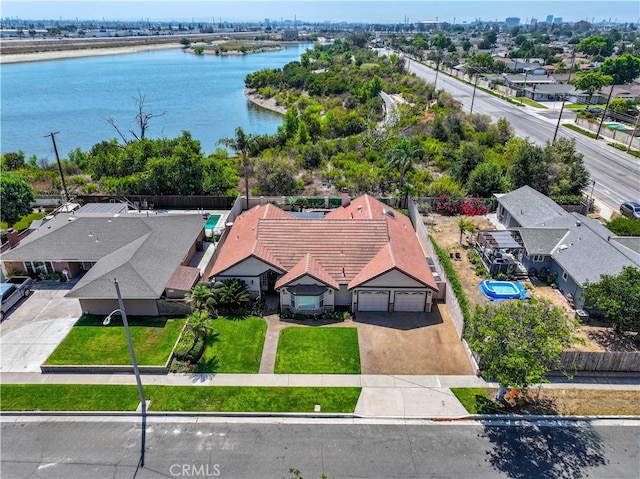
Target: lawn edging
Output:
{"points": [[100, 369]]}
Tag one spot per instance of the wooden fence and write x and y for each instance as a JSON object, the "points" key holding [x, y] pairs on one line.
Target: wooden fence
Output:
{"points": [[191, 202], [592, 361]]}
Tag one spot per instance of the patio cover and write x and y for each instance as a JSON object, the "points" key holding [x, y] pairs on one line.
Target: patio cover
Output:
{"points": [[500, 239]]}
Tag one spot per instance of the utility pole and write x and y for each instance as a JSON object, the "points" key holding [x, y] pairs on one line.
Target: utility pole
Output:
{"points": [[55, 148], [604, 113]]}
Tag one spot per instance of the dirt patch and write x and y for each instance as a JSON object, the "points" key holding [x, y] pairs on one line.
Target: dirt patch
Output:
{"points": [[445, 231], [579, 402]]}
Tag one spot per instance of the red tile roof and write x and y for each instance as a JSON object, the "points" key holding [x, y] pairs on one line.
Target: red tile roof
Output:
{"points": [[309, 267], [351, 245]]}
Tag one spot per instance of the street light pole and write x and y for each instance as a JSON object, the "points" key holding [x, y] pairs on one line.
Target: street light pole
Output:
{"points": [[136, 371]]}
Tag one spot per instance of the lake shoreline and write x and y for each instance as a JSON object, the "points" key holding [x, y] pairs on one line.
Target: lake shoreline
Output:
{"points": [[89, 51], [254, 97]]}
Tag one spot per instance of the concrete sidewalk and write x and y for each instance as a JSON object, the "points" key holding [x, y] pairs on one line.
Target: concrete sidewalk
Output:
{"points": [[381, 396]]}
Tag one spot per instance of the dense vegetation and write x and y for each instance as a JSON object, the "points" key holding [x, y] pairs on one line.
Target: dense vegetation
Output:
{"points": [[332, 137]]}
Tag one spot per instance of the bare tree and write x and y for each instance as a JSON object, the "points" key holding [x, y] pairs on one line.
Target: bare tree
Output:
{"points": [[142, 120]]}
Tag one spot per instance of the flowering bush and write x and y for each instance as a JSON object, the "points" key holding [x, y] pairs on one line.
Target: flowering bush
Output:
{"points": [[472, 207], [454, 206]]}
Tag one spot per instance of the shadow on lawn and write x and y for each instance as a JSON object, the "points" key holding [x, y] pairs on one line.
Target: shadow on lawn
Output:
{"points": [[554, 452], [207, 365], [116, 321]]}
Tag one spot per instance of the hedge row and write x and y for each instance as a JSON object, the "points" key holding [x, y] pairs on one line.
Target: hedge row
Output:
{"points": [[458, 290]]}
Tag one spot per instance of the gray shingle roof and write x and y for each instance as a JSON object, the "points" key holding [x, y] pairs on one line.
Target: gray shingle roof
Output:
{"points": [[582, 246], [541, 240], [531, 208], [141, 252]]}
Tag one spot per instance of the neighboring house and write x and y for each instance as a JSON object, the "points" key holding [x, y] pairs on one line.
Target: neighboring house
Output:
{"points": [[555, 92], [148, 255], [363, 256], [577, 248], [519, 81]]}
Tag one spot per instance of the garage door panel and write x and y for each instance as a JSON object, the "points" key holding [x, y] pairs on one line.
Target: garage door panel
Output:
{"points": [[410, 301], [373, 301]]}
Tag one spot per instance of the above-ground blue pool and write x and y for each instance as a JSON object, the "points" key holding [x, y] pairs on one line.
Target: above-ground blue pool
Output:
{"points": [[499, 290]]}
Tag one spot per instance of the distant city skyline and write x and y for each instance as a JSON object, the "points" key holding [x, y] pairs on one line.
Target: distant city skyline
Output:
{"points": [[365, 11]]}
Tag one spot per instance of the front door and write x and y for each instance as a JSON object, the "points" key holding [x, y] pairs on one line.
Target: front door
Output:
{"points": [[272, 277]]}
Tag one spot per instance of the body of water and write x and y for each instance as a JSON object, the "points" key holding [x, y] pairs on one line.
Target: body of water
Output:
{"points": [[200, 94]]}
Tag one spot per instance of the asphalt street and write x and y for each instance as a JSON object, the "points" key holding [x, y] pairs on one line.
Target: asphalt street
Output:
{"points": [[616, 173], [343, 449]]}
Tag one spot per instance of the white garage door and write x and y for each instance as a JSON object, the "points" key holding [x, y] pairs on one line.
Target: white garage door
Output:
{"points": [[373, 301], [410, 301]]}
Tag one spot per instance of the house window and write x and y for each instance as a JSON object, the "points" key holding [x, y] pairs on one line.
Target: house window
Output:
{"points": [[321, 301], [293, 301], [538, 258], [306, 303], [564, 275], [264, 281]]}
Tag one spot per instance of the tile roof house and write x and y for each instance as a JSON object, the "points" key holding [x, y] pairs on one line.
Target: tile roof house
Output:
{"points": [[149, 256], [577, 248], [364, 256]]}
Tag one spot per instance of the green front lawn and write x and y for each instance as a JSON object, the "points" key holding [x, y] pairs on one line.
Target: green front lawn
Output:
{"points": [[530, 102], [89, 342], [234, 346], [91, 397], [318, 351]]}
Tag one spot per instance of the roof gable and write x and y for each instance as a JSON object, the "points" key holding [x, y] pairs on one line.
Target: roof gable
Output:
{"points": [[307, 266]]}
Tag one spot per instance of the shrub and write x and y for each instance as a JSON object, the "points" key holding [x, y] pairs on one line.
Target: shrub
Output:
{"points": [[90, 188], [453, 279]]}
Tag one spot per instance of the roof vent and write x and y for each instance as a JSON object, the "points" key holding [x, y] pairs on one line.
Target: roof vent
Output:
{"points": [[578, 223], [388, 213], [563, 246], [360, 208]]}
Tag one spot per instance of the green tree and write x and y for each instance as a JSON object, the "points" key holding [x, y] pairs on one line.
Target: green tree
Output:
{"points": [[16, 197], [591, 81], [618, 297], [12, 161], [400, 159], [197, 298], [519, 341], [486, 179], [231, 293], [241, 143], [199, 323], [465, 224], [623, 69], [275, 174], [624, 226], [564, 168], [528, 167], [594, 45]]}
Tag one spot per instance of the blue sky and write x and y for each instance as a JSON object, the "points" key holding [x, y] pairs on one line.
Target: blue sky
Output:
{"points": [[369, 11]]}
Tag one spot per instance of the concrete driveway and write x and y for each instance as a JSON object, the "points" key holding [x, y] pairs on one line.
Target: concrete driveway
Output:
{"points": [[411, 343], [33, 329]]}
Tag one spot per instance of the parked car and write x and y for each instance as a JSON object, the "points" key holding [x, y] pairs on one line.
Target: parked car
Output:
{"points": [[13, 290], [630, 209]]}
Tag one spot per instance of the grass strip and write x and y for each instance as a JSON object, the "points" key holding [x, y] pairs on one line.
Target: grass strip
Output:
{"points": [[89, 342], [92, 397], [234, 346], [318, 351], [68, 397]]}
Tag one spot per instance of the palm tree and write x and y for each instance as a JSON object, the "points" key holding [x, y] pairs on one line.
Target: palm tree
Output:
{"points": [[199, 323], [241, 144], [465, 224], [401, 159], [199, 296]]}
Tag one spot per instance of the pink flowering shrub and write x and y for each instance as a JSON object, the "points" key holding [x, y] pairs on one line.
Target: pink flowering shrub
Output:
{"points": [[459, 206]]}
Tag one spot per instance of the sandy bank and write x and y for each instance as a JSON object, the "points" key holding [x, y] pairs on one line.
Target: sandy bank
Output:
{"points": [[82, 52], [268, 103]]}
